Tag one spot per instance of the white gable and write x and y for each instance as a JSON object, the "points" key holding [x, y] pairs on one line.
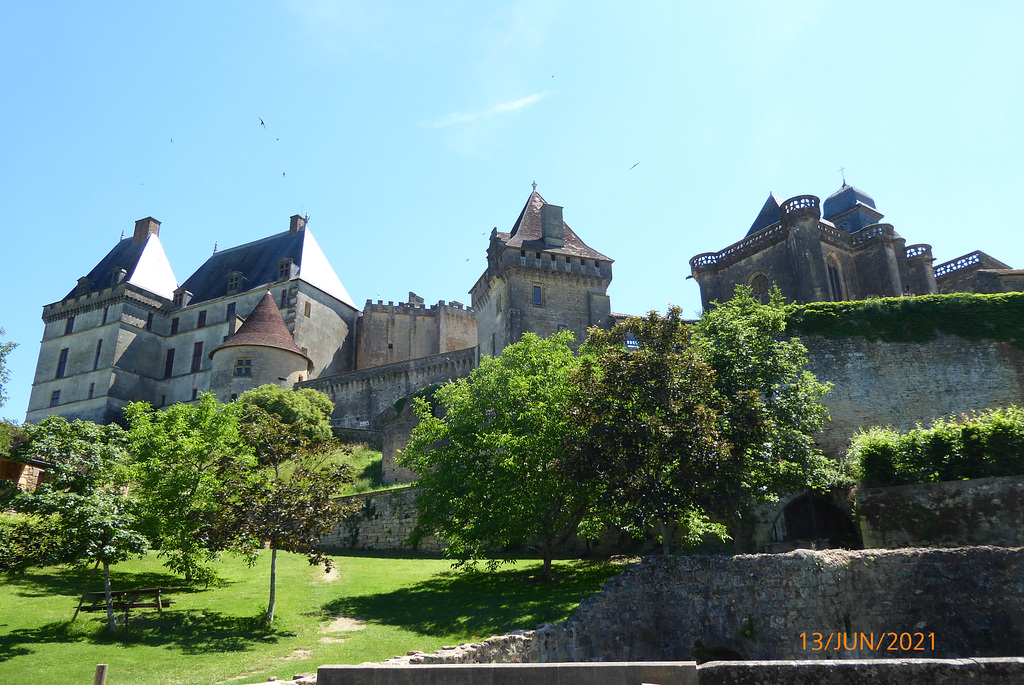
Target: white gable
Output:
{"points": [[153, 271], [316, 270]]}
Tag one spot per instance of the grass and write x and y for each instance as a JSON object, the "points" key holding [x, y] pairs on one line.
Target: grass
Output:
{"points": [[381, 605]]}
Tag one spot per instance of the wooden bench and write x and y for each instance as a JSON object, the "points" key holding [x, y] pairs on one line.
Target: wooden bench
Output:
{"points": [[126, 600]]}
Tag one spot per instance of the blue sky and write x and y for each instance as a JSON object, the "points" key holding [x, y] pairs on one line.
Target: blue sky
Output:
{"points": [[408, 130]]}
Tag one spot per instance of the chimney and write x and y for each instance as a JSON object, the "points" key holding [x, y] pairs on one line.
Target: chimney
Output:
{"points": [[296, 224], [551, 225], [145, 228]]}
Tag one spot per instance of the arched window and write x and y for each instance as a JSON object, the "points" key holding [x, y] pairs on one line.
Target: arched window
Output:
{"points": [[835, 280]]}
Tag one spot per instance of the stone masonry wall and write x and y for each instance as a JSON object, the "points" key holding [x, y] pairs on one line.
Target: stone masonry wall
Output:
{"points": [[951, 603], [384, 522], [880, 383], [981, 511]]}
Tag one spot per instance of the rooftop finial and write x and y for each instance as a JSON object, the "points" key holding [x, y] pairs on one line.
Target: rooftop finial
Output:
{"points": [[122, 234], [842, 170], [535, 186], [214, 247]]}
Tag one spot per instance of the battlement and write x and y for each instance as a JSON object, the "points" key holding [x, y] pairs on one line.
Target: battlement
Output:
{"points": [[417, 308]]}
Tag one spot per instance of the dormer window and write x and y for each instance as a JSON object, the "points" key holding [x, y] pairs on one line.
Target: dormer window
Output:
{"points": [[284, 269], [234, 280]]}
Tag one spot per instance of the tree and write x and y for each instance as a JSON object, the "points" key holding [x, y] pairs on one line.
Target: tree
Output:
{"points": [[487, 475], [287, 497], [83, 490], [5, 349], [772, 403], [647, 437], [178, 458]]}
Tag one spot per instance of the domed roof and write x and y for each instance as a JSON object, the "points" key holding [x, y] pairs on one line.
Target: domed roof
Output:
{"points": [[845, 199], [264, 327]]}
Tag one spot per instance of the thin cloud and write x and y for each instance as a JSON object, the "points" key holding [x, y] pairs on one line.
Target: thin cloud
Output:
{"points": [[461, 118]]}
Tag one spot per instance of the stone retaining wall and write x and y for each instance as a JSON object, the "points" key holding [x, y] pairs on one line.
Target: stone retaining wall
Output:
{"points": [[384, 523]]}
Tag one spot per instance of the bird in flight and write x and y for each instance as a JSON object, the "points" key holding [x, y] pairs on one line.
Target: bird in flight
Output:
{"points": [[172, 140], [633, 167], [282, 174], [261, 122]]}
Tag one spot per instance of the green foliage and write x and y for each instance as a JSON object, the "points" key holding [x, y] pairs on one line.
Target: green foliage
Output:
{"points": [[914, 319], [988, 443], [307, 411], [646, 435], [772, 403], [5, 349], [27, 541], [11, 437], [177, 458], [487, 465]]}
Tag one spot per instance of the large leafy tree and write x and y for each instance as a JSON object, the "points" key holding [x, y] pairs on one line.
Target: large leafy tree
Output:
{"points": [[287, 497], [178, 459], [772, 403], [84, 492], [5, 349], [647, 435], [487, 460]]}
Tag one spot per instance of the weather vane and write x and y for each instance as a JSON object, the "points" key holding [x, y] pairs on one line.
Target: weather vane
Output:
{"points": [[842, 170], [535, 186]]}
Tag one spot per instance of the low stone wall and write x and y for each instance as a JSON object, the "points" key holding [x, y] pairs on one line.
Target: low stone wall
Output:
{"points": [[384, 522], [981, 511], [996, 671]]}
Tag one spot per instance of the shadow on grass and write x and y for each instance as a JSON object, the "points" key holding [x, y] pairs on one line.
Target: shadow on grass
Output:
{"points": [[480, 602], [76, 581], [192, 632]]}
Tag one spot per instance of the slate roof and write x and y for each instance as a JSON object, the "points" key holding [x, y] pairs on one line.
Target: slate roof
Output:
{"points": [[770, 214], [527, 235], [264, 327], [845, 199], [155, 274], [258, 263]]}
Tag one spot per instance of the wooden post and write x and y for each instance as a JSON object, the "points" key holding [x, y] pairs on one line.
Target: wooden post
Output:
{"points": [[101, 675]]}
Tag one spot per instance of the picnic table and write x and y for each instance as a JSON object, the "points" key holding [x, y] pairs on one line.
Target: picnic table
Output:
{"points": [[126, 600]]}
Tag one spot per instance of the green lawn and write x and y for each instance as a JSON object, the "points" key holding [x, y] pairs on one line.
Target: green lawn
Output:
{"points": [[374, 607]]}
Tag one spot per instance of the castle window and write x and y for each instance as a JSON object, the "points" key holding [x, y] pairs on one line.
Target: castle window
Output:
{"points": [[169, 363], [96, 359], [92, 389], [234, 396], [284, 269], [202, 319], [233, 280], [149, 321], [522, 253], [197, 357], [497, 305], [243, 367], [536, 296], [105, 310], [55, 398], [195, 394], [538, 255], [835, 282], [178, 297], [69, 325], [284, 299], [308, 309], [174, 325], [231, 311], [62, 363], [583, 262], [163, 400]]}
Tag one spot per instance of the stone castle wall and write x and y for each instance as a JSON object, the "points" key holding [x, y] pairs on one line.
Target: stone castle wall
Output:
{"points": [[384, 522]]}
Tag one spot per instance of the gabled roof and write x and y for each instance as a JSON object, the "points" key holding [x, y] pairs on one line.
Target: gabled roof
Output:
{"points": [[145, 265], [845, 199], [264, 327], [527, 235], [770, 214], [258, 263]]}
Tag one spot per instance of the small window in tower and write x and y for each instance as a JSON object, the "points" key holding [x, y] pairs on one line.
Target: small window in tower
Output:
{"points": [[197, 357], [195, 394], [69, 325], [231, 311], [284, 269], [202, 319], [307, 309], [243, 367], [149, 321], [567, 260], [234, 396], [96, 359], [92, 389], [583, 262], [55, 398], [284, 299], [233, 280], [174, 325], [597, 265], [538, 255], [522, 253], [62, 363], [391, 346], [536, 296], [169, 363], [105, 311]]}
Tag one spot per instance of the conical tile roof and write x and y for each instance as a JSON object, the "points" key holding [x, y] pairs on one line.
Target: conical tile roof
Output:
{"points": [[263, 328]]}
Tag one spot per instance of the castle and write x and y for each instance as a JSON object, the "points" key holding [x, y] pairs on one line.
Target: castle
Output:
{"points": [[274, 311]]}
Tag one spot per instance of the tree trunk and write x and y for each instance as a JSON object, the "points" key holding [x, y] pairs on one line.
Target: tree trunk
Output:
{"points": [[666, 549], [111, 619], [545, 573], [273, 576]]}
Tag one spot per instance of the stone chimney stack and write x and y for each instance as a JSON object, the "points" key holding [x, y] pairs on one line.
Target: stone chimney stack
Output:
{"points": [[552, 227], [297, 224], [145, 228]]}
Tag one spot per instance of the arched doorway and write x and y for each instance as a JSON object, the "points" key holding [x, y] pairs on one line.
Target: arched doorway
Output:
{"points": [[813, 521]]}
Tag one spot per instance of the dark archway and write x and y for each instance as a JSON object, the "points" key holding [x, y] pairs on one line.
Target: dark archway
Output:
{"points": [[814, 521]]}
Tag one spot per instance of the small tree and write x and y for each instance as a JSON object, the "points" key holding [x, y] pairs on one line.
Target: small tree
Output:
{"points": [[5, 349], [646, 432], [178, 458], [84, 490], [487, 467], [287, 498]]}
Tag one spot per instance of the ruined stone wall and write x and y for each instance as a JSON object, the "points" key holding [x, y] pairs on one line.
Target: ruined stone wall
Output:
{"points": [[981, 511], [900, 384], [384, 522]]}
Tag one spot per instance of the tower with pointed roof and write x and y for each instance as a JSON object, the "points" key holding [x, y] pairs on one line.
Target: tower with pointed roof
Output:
{"points": [[542, 278]]}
